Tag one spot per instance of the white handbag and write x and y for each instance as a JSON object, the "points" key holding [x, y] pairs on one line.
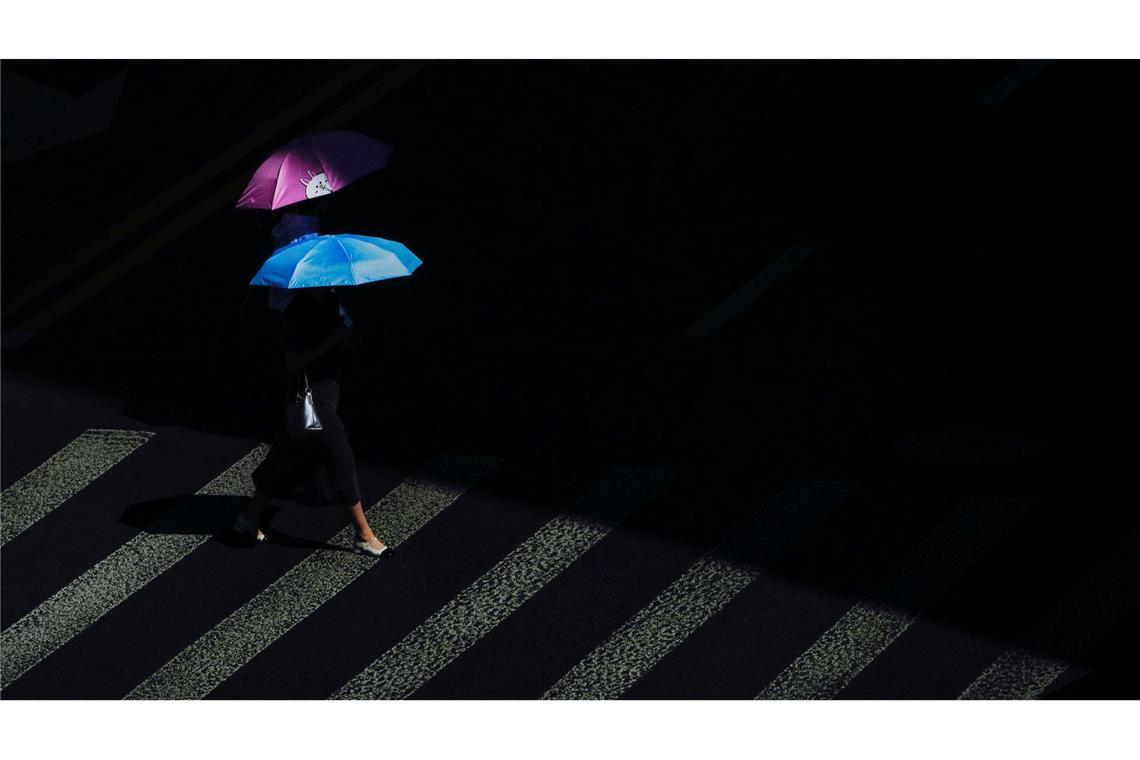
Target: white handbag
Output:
{"points": [[303, 412]]}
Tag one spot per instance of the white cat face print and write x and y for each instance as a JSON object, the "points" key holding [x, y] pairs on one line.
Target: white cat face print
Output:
{"points": [[316, 184]]}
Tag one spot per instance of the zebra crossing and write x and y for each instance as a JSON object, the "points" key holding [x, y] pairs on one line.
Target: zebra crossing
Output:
{"points": [[62, 476], [696, 596], [114, 578], [976, 527], [505, 587], [875, 623], [300, 591], [1073, 626]]}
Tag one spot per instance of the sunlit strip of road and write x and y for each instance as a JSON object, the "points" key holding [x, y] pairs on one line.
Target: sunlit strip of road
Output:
{"points": [[115, 577], [221, 651], [702, 591], [872, 625], [1010, 83], [500, 591], [183, 188], [64, 474], [1068, 631], [192, 217], [749, 292]]}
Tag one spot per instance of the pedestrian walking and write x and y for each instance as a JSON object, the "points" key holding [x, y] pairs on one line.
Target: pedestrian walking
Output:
{"points": [[310, 467], [311, 462]]}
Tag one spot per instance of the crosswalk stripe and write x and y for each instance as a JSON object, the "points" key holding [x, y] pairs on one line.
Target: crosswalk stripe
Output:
{"points": [[64, 474], [114, 578], [749, 292], [873, 624], [703, 590], [221, 651], [1072, 627], [508, 585]]}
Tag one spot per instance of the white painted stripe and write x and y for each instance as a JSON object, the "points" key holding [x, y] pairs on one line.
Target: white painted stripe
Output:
{"points": [[63, 475], [702, 591], [221, 651], [1012, 81], [873, 624], [114, 578], [1067, 632], [1016, 674], [507, 586], [749, 292]]}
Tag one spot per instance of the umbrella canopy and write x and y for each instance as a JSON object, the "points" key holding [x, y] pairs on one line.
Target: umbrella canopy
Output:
{"points": [[313, 166], [323, 261]]}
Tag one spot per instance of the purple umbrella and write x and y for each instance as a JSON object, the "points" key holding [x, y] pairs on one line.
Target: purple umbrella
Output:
{"points": [[312, 166]]}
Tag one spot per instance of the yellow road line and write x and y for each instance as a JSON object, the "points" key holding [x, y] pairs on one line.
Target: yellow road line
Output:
{"points": [[191, 218]]}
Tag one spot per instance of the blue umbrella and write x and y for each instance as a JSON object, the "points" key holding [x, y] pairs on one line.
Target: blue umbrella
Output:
{"points": [[322, 261]]}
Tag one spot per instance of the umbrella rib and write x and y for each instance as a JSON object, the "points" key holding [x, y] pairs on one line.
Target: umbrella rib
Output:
{"points": [[277, 184], [351, 273], [301, 262]]}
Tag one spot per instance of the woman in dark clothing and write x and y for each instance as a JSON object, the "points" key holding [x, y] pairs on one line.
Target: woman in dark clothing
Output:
{"points": [[312, 467]]}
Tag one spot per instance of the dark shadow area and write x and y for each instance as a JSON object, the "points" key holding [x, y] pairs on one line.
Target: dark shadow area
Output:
{"points": [[1113, 678], [213, 516], [959, 330]]}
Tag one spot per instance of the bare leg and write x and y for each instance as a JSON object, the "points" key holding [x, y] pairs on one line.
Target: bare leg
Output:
{"points": [[363, 529]]}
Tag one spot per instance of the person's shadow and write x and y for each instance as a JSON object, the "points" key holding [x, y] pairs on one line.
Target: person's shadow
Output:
{"points": [[207, 515]]}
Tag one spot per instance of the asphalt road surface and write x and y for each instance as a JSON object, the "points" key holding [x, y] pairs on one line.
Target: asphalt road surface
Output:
{"points": [[797, 380]]}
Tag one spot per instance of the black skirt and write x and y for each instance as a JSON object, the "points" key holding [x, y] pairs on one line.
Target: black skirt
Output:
{"points": [[311, 467]]}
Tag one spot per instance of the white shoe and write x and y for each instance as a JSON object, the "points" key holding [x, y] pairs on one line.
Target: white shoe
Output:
{"points": [[373, 546], [243, 526]]}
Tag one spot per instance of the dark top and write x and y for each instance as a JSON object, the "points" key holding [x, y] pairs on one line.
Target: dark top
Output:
{"points": [[312, 467], [304, 324]]}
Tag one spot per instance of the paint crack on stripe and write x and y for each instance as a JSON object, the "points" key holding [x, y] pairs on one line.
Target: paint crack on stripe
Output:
{"points": [[221, 651], [505, 587]]}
